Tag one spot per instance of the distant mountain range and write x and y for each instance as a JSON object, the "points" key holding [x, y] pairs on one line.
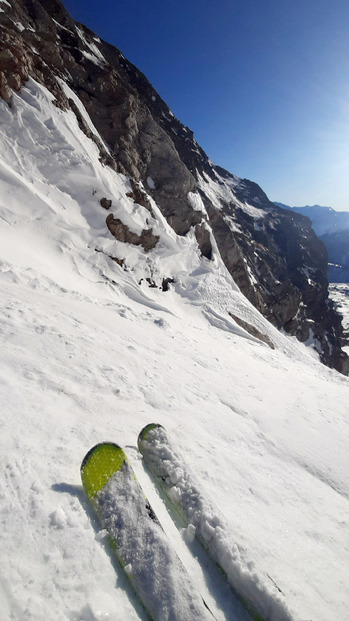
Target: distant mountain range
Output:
{"points": [[332, 227]]}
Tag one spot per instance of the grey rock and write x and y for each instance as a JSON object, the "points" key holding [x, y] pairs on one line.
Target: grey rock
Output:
{"points": [[106, 203], [122, 233]]}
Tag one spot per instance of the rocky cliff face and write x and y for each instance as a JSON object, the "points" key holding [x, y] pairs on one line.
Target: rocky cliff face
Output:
{"points": [[337, 245], [332, 227], [272, 254]]}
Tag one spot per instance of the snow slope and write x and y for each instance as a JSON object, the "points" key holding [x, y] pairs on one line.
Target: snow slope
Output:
{"points": [[89, 354]]}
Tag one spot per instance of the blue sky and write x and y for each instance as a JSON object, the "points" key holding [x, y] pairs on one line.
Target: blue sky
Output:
{"points": [[264, 84]]}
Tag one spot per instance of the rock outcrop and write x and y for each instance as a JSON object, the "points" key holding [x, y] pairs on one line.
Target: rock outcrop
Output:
{"points": [[332, 227], [122, 233], [272, 254]]}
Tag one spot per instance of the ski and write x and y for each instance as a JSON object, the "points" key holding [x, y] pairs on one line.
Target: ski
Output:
{"points": [[154, 570], [184, 495]]}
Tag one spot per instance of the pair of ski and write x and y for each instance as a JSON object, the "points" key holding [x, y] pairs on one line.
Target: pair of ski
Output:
{"points": [[142, 548]]}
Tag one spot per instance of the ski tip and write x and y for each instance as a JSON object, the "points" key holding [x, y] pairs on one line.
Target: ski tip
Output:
{"points": [[143, 434], [99, 465], [102, 447]]}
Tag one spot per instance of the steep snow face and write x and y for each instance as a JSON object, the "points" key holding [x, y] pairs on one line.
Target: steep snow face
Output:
{"points": [[91, 353], [220, 194], [52, 173], [53, 182]]}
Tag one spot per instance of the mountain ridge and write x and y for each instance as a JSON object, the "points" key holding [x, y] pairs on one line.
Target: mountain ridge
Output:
{"points": [[325, 219]]}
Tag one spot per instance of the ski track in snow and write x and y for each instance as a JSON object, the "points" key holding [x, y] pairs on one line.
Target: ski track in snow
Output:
{"points": [[89, 355]]}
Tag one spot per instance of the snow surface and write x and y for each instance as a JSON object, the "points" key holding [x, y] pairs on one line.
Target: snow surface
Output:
{"points": [[150, 183], [20, 26], [96, 56], [219, 192], [89, 355], [196, 202]]}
